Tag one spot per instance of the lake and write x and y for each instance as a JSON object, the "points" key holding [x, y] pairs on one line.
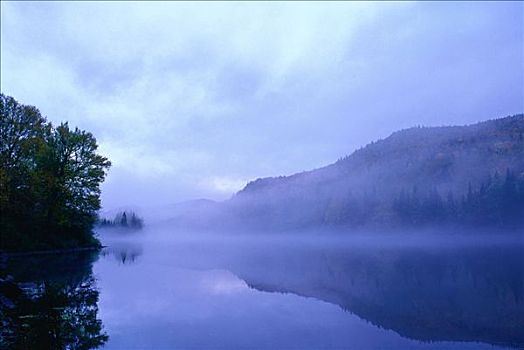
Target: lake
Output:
{"points": [[158, 289]]}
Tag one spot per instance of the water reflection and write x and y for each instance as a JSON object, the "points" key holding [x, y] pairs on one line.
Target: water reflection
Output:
{"points": [[467, 294], [227, 292], [429, 292], [51, 302], [123, 252]]}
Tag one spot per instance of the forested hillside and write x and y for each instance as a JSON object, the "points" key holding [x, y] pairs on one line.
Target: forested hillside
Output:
{"points": [[49, 181], [460, 175]]}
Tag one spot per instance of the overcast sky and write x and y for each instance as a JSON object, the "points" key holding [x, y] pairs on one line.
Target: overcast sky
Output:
{"points": [[192, 100]]}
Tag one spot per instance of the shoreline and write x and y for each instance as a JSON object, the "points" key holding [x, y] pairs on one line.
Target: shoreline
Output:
{"points": [[50, 251]]}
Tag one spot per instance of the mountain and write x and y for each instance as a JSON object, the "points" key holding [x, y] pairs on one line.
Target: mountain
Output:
{"points": [[470, 175]]}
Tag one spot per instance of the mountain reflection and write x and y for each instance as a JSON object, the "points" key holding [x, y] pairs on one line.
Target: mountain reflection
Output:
{"points": [[446, 290], [437, 294], [51, 303]]}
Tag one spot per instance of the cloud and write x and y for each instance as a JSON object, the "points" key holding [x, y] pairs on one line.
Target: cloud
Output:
{"points": [[193, 99]]}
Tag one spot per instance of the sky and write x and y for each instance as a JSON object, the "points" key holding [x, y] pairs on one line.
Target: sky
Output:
{"points": [[193, 100]]}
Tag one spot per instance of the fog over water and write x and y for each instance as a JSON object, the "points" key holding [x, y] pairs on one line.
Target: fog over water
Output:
{"points": [[285, 175], [275, 291], [167, 288]]}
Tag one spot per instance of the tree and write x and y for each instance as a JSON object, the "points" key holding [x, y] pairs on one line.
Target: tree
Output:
{"points": [[22, 131], [123, 221], [136, 222], [50, 180], [76, 172]]}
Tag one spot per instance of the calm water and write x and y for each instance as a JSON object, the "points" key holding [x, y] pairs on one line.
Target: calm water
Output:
{"points": [[167, 290]]}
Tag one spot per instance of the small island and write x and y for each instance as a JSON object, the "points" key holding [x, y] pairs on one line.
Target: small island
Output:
{"points": [[124, 220]]}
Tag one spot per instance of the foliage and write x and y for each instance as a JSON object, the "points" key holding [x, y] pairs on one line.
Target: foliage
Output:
{"points": [[49, 179], [499, 201]]}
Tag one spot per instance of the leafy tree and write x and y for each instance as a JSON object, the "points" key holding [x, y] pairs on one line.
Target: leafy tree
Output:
{"points": [[76, 172], [22, 132], [49, 178]]}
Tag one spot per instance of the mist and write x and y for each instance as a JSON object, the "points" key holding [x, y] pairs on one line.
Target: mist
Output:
{"points": [[269, 175]]}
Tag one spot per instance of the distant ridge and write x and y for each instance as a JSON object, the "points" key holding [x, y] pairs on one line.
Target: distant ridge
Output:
{"points": [[471, 175], [434, 152]]}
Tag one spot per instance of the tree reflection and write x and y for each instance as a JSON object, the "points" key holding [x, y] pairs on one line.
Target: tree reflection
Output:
{"points": [[55, 313], [123, 252]]}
